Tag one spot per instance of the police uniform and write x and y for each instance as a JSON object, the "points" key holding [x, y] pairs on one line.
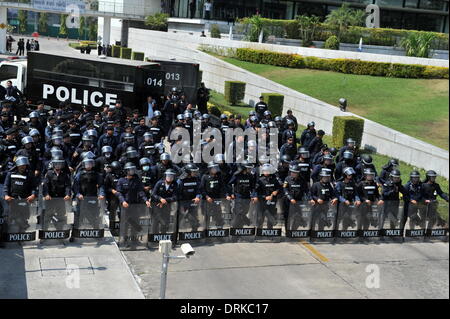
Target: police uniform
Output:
{"points": [[161, 215], [265, 186]]}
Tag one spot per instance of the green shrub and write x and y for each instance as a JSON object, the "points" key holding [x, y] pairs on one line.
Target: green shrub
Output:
{"points": [[349, 66], [116, 51], [215, 31], [332, 43], [345, 127], [214, 110], [157, 22], [234, 91], [274, 102], [435, 72], [125, 53], [137, 56]]}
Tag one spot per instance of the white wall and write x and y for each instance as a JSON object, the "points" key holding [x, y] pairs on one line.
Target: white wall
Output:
{"points": [[215, 72]]}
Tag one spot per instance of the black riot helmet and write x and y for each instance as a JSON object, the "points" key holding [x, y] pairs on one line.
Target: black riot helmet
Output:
{"points": [[303, 152], [116, 167], [285, 159], [191, 168], [369, 174], [366, 159], [430, 175], [414, 176], [395, 175], [348, 155]]}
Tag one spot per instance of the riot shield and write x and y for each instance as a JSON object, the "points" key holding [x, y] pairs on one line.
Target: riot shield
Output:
{"points": [[346, 225], [369, 220], [323, 220], [54, 224], [134, 226], [299, 220], [269, 224], [437, 220], [243, 220], [163, 219], [21, 220], [415, 220], [217, 221], [392, 219], [89, 219], [191, 221]]}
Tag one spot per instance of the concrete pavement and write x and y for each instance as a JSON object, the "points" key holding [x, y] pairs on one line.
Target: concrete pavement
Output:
{"points": [[73, 271], [300, 270]]}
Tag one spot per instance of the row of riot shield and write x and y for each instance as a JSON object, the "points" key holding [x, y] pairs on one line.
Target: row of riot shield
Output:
{"points": [[391, 219], [52, 220]]}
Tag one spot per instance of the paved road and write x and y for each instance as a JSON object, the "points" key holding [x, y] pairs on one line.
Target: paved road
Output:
{"points": [[299, 270]]}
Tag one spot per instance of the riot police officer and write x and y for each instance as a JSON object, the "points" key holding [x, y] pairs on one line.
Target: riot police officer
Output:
{"points": [[431, 190], [267, 189], [349, 146], [56, 184], [414, 203], [164, 164], [88, 183], [366, 162], [294, 192], [369, 195], [20, 190], [347, 161], [386, 170], [322, 195], [130, 189], [212, 190], [104, 160], [327, 163], [189, 195], [289, 148], [390, 196], [163, 196], [147, 177], [308, 134], [346, 191], [241, 188], [113, 174]]}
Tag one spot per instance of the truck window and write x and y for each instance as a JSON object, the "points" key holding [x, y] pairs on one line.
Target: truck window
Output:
{"points": [[8, 72]]}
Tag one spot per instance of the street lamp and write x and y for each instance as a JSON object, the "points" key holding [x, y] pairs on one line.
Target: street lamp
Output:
{"points": [[164, 247]]}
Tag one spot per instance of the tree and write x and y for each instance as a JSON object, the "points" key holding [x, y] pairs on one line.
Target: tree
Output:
{"points": [[307, 28], [42, 27], [63, 26], [92, 32], [257, 25], [81, 27], [22, 16], [344, 17]]}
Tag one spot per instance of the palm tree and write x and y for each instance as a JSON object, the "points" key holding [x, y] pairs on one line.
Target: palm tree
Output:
{"points": [[344, 17]]}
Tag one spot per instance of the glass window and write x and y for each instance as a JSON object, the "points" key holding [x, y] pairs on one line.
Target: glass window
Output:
{"points": [[8, 72], [390, 3], [411, 3], [409, 21], [308, 8], [390, 19], [429, 22], [432, 4]]}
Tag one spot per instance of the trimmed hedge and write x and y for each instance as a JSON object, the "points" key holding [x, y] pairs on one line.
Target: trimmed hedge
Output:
{"points": [[345, 127], [349, 66], [274, 102], [371, 36], [125, 53], [115, 51], [139, 56], [234, 91]]}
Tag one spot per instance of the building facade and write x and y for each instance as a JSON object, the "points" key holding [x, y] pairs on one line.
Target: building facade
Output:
{"points": [[427, 15]]}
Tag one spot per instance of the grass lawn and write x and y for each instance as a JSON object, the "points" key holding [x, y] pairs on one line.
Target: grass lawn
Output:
{"points": [[417, 107], [378, 159]]}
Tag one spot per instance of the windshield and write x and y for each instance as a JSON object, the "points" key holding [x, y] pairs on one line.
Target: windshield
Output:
{"points": [[8, 72]]}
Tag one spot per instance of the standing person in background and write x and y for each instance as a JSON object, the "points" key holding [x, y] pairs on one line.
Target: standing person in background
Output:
{"points": [[99, 49], [202, 98], [28, 46], [20, 47], [192, 8], [36, 45], [208, 7]]}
